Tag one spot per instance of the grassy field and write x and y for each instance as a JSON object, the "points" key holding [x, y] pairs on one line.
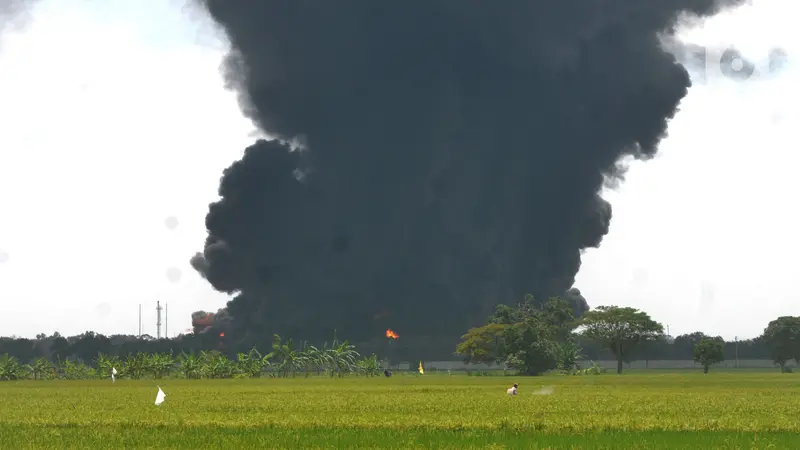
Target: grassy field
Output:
{"points": [[644, 411]]}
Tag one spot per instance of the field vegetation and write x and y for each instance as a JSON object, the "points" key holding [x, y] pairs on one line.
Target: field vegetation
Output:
{"points": [[285, 360], [669, 411], [296, 395]]}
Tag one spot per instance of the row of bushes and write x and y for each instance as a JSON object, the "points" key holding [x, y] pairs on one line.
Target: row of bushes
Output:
{"points": [[338, 360]]}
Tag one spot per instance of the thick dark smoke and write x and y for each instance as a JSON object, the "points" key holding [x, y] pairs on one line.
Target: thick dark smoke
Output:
{"points": [[14, 16], [14, 13], [453, 153]]}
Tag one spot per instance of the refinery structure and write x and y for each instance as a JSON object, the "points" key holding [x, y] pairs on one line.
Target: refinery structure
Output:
{"points": [[201, 321], [159, 309]]}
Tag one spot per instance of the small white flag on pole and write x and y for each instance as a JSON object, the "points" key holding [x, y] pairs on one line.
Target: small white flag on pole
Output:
{"points": [[160, 396], [113, 374]]}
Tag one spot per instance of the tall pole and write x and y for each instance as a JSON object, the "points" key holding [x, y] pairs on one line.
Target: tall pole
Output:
{"points": [[736, 347], [158, 320]]}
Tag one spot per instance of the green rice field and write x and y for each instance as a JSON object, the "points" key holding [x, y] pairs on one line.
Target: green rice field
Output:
{"points": [[632, 411]]}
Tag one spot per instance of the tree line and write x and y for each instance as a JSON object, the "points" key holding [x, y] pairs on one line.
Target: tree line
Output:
{"points": [[505, 335], [340, 359], [538, 338]]}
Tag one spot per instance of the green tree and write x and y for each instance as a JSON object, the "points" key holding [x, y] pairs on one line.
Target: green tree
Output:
{"points": [[529, 337], [558, 315], [782, 337], [620, 329], [482, 345], [684, 344], [503, 315], [507, 315], [542, 339], [530, 347], [60, 347], [709, 351]]}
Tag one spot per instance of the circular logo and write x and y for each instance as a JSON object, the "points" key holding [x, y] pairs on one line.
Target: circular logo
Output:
{"points": [[103, 309], [171, 222], [174, 274], [733, 65]]}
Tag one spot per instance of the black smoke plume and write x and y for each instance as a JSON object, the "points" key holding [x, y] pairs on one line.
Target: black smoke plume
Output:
{"points": [[451, 154], [14, 13]]}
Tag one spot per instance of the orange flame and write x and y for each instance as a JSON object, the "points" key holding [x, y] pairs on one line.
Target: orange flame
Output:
{"points": [[391, 334], [222, 335]]}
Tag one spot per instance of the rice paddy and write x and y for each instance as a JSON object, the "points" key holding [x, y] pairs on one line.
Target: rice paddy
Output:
{"points": [[644, 410]]}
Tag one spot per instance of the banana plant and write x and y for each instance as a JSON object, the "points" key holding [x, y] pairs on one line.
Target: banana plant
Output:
{"points": [[316, 359], [135, 365], [343, 358], [217, 365], [369, 366], [105, 364], [161, 364], [252, 363], [568, 355], [41, 369], [75, 370], [289, 359], [191, 366], [11, 369]]}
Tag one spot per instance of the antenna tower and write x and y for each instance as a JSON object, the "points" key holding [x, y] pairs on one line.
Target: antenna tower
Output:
{"points": [[158, 320]]}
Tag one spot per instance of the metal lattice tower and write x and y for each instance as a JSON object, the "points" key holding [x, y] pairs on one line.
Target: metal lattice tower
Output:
{"points": [[158, 319]]}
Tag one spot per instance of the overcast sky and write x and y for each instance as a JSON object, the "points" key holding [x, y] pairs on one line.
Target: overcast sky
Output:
{"points": [[116, 127]]}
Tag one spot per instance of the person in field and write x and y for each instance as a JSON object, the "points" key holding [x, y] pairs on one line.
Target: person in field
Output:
{"points": [[512, 390]]}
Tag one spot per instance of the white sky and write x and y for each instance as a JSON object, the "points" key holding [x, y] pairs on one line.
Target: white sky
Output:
{"points": [[116, 126]]}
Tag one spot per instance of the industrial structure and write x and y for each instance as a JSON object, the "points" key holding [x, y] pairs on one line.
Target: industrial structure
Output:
{"points": [[158, 320]]}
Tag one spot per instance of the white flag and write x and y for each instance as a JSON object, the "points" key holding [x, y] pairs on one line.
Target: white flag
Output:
{"points": [[160, 397], [113, 374]]}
